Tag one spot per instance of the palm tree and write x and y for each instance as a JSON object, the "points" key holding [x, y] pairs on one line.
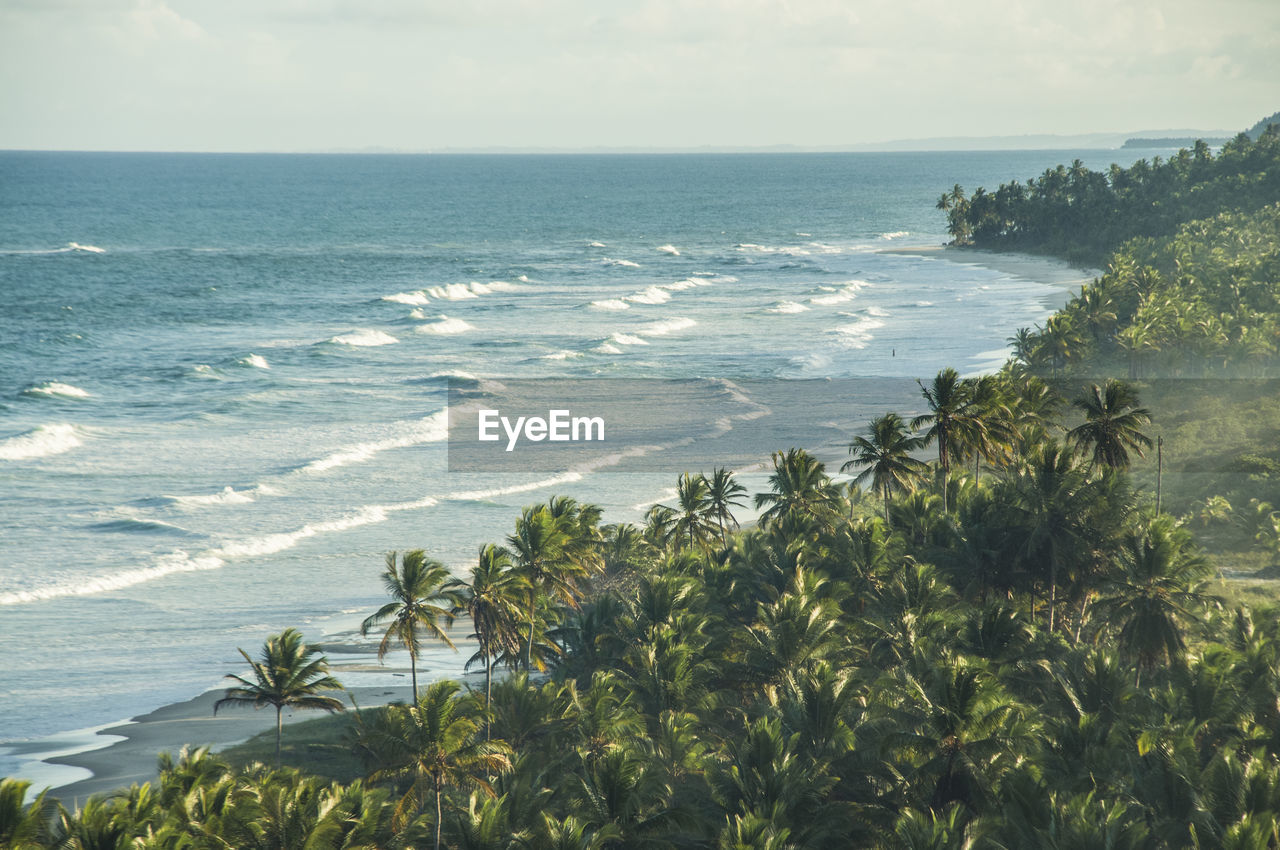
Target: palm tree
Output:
{"points": [[492, 600], [1110, 429], [799, 487], [288, 674], [1160, 588], [724, 493], [949, 400], [435, 744], [886, 455], [692, 521], [540, 549], [22, 826], [421, 597]]}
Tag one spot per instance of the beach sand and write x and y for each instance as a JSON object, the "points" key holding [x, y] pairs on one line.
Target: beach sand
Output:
{"points": [[1046, 270], [193, 723]]}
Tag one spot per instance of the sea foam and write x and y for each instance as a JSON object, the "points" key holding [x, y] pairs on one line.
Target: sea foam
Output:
{"points": [[667, 326], [670, 250], [429, 430], [610, 304], [650, 295], [254, 361], [445, 326], [44, 441], [609, 261], [787, 307], [364, 339], [418, 297], [54, 388]]}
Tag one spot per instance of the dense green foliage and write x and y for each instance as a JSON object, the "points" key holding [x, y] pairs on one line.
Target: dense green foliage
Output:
{"points": [[1035, 661], [1074, 212]]}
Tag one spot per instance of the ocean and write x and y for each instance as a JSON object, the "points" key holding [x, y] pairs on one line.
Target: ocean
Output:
{"points": [[222, 376]]}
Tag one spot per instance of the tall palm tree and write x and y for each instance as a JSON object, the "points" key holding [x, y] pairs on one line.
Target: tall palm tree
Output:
{"points": [[540, 549], [799, 486], [288, 674], [949, 400], [421, 596], [1159, 589], [693, 525], [492, 600], [885, 454], [724, 494], [1110, 430], [435, 744]]}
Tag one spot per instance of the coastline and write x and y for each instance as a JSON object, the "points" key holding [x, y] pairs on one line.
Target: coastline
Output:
{"points": [[1050, 271], [119, 754], [133, 756]]}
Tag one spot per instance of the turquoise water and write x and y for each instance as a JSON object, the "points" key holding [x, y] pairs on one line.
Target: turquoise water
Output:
{"points": [[221, 376]]}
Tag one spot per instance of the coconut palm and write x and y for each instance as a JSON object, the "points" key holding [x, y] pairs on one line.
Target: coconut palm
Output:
{"points": [[693, 523], [799, 486], [22, 826], [885, 454], [723, 494], [1159, 589], [1110, 430], [950, 417], [492, 600], [434, 744], [421, 596], [287, 674], [540, 550]]}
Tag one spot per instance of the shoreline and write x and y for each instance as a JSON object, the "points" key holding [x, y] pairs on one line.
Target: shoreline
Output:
{"points": [[122, 753], [117, 755], [1049, 271]]}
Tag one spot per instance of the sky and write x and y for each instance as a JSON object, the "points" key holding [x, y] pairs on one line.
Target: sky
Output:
{"points": [[304, 75]]}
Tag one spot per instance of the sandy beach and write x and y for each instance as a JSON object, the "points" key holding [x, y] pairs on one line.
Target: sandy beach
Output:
{"points": [[192, 723], [1046, 270]]}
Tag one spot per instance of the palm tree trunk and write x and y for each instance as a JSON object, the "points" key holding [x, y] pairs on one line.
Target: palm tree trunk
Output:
{"points": [[1053, 590], [528, 647], [413, 671], [437, 816], [279, 732], [488, 694]]}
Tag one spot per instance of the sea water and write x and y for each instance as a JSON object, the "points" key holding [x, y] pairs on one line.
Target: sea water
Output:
{"points": [[222, 376]]}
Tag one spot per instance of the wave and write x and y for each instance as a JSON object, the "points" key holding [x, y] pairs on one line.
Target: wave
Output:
{"points": [[445, 326], [607, 348], [178, 562], [255, 361], [596, 245], [670, 250], [787, 307], [227, 496], [481, 495], [44, 441], [524, 278], [204, 370], [452, 292], [269, 544], [924, 303], [54, 388], [687, 283], [666, 326], [417, 297], [857, 334], [493, 286], [563, 354], [132, 525], [628, 339], [610, 304], [364, 339], [897, 234], [877, 311], [92, 249], [429, 430], [609, 261], [846, 292], [181, 562], [650, 295]]}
